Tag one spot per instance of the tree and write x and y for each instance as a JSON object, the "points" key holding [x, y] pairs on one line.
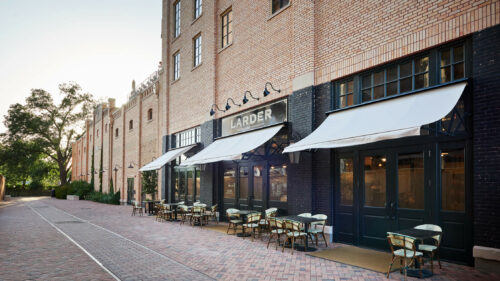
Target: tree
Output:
{"points": [[100, 172], [92, 170], [51, 126], [111, 188], [21, 161], [149, 182]]}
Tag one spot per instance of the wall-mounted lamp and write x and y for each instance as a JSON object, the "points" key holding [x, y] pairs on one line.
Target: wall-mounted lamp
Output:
{"points": [[131, 166], [245, 100], [212, 111], [266, 91], [227, 103], [115, 169]]}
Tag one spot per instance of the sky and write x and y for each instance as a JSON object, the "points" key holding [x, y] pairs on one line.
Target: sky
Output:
{"points": [[100, 44]]}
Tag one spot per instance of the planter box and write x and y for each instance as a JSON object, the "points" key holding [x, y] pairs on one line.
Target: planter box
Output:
{"points": [[486, 259], [72, 197]]}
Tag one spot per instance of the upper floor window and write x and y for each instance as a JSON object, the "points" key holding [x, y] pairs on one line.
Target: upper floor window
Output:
{"points": [[428, 69], [177, 61], [197, 8], [116, 132], [97, 133], [197, 50], [130, 124], [278, 5], [227, 28], [451, 64], [177, 18], [188, 137], [106, 129], [150, 114]]}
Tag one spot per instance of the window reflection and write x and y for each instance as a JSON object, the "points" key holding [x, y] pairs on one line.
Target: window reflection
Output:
{"points": [[244, 182], [197, 185], [411, 181], [190, 186], [257, 182], [278, 183], [229, 183], [453, 180], [375, 180], [346, 181]]}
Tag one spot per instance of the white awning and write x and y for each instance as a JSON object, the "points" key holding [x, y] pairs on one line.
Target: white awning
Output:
{"points": [[390, 119], [165, 158], [232, 148]]}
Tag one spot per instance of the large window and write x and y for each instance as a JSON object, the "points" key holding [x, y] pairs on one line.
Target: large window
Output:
{"points": [[375, 180], [278, 183], [424, 70], [229, 183], [197, 50], [177, 18], [130, 124], [177, 62], [227, 28], [258, 184], [198, 5], [244, 182], [188, 137], [346, 181], [411, 181], [453, 180], [278, 5], [150, 114]]}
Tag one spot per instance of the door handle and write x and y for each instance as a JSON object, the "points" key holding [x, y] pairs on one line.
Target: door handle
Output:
{"points": [[393, 210]]}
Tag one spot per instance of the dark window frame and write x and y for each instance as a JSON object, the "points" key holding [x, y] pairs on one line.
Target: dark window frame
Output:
{"points": [[130, 125], [150, 114], [116, 133], [198, 8], [197, 49], [177, 65], [228, 15], [280, 5]]}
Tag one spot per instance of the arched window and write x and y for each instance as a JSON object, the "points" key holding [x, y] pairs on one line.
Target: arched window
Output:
{"points": [[130, 124], [150, 114], [116, 132]]}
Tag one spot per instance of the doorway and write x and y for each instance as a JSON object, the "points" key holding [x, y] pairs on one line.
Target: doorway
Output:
{"points": [[130, 190]]}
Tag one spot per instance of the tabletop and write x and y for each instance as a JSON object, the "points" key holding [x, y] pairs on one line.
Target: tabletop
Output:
{"points": [[246, 212], [306, 220], [417, 233]]}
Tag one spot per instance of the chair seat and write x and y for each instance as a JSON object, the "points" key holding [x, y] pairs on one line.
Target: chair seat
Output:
{"points": [[263, 221], [279, 231], [427, 248], [296, 233], [236, 221], [251, 225], [409, 253], [315, 230]]}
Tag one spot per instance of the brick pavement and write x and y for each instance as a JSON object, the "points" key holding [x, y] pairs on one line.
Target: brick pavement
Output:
{"points": [[137, 248], [226, 257]]}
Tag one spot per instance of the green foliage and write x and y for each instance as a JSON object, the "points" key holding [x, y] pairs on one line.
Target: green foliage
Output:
{"points": [[62, 191], [100, 171], [19, 191], [21, 161], [150, 182], [92, 169], [111, 188], [35, 185], [107, 198], [80, 188], [49, 125]]}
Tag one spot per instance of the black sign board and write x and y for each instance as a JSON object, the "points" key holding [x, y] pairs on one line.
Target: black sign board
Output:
{"points": [[267, 115]]}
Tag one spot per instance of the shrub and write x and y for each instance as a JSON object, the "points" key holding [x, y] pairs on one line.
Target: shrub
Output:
{"points": [[108, 198], [36, 185], [62, 191], [80, 188]]}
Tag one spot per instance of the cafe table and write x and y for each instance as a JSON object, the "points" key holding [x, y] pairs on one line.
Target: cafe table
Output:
{"points": [[150, 206], [174, 206], [306, 221], [420, 235], [244, 214]]}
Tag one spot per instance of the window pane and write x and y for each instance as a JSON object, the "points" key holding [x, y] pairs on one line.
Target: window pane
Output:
{"points": [[190, 186], [445, 57], [244, 182], [198, 185], [177, 187], [346, 181], [378, 92], [350, 86], [182, 186], [275, 5], [257, 182], [458, 54], [405, 69], [445, 74], [422, 81], [458, 71], [378, 78], [375, 181], [350, 99], [343, 101], [392, 73], [453, 180], [405, 85], [392, 88], [229, 183], [411, 181], [422, 65], [230, 38], [367, 81], [278, 183], [343, 88], [366, 95], [230, 16]]}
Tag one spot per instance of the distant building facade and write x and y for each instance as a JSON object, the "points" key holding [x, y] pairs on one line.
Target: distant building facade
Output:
{"points": [[312, 60]]}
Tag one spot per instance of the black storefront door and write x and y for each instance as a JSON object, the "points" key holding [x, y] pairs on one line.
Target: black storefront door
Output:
{"points": [[402, 187], [130, 190]]}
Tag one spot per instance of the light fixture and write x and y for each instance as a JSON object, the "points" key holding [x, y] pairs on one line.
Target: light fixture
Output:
{"points": [[266, 91], [212, 111], [131, 166], [227, 103], [245, 100]]}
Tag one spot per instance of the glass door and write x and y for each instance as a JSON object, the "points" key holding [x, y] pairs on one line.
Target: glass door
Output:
{"points": [[130, 190], [258, 187], [229, 187], [244, 191]]}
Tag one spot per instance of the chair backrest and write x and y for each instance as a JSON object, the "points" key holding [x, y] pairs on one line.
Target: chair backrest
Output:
{"points": [[321, 217], [271, 212], [231, 211], [162, 201], [398, 241], [183, 208], [254, 217], [307, 215], [296, 226], [432, 227], [197, 209], [214, 208], [181, 203], [136, 203]]}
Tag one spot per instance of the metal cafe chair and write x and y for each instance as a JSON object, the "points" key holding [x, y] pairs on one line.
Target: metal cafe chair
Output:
{"points": [[318, 228], [432, 250], [264, 223], [212, 213], [234, 219], [294, 232], [252, 223], [403, 248], [276, 230], [136, 207], [197, 215]]}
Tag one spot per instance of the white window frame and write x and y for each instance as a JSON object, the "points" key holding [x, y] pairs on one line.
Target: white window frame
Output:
{"points": [[177, 62], [177, 19], [198, 8], [197, 50]]}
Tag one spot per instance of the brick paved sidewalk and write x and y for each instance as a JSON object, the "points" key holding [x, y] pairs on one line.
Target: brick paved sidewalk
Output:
{"points": [[226, 257]]}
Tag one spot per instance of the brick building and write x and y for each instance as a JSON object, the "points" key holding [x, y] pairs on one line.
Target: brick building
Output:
{"points": [[222, 138]]}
